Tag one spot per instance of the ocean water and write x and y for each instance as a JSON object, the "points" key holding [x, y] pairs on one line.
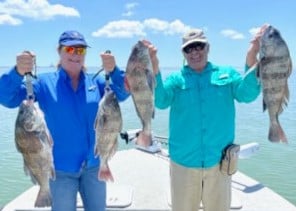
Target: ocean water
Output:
{"points": [[274, 165]]}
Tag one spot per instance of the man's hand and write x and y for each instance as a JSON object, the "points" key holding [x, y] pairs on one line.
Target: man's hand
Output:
{"points": [[153, 56], [108, 61], [25, 62]]}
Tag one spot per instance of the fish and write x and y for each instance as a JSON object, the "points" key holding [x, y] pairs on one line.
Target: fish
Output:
{"points": [[140, 82], [33, 140], [108, 124], [274, 69]]}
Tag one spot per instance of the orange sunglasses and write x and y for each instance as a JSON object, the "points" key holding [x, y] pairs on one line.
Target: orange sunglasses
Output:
{"points": [[71, 50]]}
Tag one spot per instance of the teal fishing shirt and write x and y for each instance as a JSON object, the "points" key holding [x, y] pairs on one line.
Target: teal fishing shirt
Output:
{"points": [[202, 111], [69, 114]]}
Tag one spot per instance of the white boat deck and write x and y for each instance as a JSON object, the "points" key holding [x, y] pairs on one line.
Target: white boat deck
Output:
{"points": [[142, 183]]}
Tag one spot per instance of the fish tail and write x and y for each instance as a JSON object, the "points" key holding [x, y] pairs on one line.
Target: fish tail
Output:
{"points": [[43, 198], [144, 139], [105, 173], [276, 133], [126, 84]]}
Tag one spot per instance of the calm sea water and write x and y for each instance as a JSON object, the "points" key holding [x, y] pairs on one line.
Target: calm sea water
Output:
{"points": [[274, 165]]}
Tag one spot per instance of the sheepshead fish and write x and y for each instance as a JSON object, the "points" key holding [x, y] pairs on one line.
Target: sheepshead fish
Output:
{"points": [[275, 66], [140, 82], [108, 125], [34, 142]]}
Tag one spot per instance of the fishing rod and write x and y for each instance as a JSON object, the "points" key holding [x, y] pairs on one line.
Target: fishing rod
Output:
{"points": [[131, 135], [29, 78], [107, 75], [246, 150]]}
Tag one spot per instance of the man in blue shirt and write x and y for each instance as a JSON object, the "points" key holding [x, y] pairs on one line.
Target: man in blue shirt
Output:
{"points": [[69, 98], [201, 97]]}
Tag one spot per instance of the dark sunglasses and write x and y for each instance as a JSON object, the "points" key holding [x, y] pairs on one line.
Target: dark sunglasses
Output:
{"points": [[198, 46]]}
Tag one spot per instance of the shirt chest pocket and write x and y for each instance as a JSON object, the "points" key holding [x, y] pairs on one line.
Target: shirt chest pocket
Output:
{"points": [[93, 95], [221, 79], [221, 85], [189, 93]]}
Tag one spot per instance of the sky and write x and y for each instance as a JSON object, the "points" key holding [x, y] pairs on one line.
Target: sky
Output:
{"points": [[117, 25]]}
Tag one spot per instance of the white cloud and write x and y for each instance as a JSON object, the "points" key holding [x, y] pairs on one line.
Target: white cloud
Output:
{"points": [[36, 9], [129, 9], [130, 6], [254, 30], [9, 20], [129, 28], [178, 27], [232, 34], [170, 28], [121, 29], [156, 24]]}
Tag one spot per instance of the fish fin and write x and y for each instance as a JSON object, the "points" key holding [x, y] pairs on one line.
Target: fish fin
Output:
{"points": [[264, 105], [103, 120], [144, 139], [151, 83], [97, 151], [48, 138], [114, 149], [105, 173], [290, 67], [287, 95], [258, 72], [257, 65], [43, 198], [126, 84], [33, 178], [262, 61], [95, 123], [276, 133], [285, 99], [150, 80], [29, 173], [52, 173]]}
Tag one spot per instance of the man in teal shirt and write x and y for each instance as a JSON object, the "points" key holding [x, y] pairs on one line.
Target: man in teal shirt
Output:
{"points": [[202, 98]]}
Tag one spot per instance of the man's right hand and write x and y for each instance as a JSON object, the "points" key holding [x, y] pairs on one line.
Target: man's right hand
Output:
{"points": [[25, 62], [153, 56]]}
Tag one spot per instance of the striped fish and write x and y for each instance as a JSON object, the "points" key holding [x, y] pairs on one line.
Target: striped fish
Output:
{"points": [[34, 142], [275, 67], [140, 82], [108, 125]]}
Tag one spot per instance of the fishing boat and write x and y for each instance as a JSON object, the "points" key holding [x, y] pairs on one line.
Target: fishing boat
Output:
{"points": [[142, 184]]}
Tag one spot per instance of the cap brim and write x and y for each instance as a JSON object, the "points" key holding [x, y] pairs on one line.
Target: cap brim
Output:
{"points": [[193, 41], [74, 42]]}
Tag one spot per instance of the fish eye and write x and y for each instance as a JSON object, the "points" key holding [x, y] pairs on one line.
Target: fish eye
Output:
{"points": [[276, 33]]}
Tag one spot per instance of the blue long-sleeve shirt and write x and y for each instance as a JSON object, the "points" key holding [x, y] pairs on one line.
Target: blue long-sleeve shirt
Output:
{"points": [[69, 114], [202, 111]]}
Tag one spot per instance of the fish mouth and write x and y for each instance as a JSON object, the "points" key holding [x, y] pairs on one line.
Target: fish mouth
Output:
{"points": [[29, 126], [28, 102]]}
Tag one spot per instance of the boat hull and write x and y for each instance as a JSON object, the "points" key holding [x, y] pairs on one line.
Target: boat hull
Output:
{"points": [[142, 184]]}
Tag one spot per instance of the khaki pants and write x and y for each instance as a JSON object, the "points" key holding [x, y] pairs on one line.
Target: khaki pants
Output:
{"points": [[190, 187]]}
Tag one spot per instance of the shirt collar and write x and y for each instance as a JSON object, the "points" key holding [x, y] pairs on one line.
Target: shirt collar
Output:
{"points": [[64, 75], [208, 68]]}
